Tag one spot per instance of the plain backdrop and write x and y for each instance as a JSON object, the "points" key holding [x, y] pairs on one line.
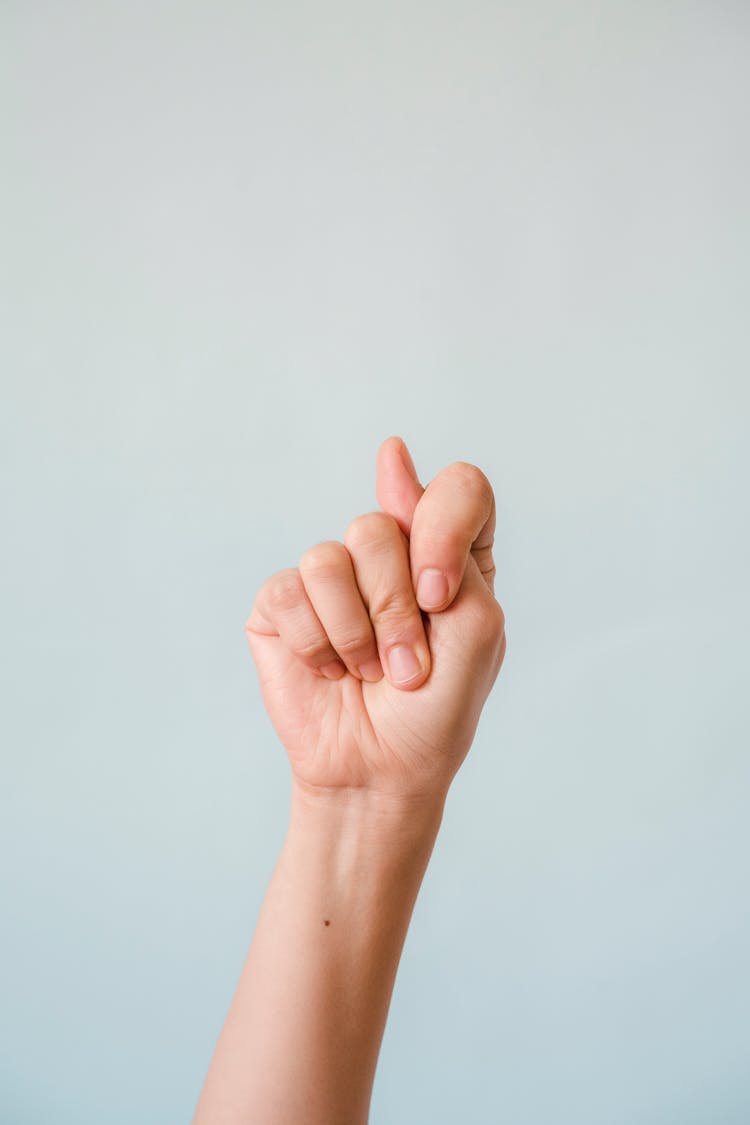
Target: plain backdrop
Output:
{"points": [[242, 243]]}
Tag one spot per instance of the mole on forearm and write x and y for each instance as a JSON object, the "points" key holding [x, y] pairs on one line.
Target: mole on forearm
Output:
{"points": [[326, 921]]}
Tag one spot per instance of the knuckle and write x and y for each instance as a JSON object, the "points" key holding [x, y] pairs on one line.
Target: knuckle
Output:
{"points": [[323, 560], [314, 648], [370, 529], [353, 644], [284, 589], [472, 480], [393, 610], [489, 627]]}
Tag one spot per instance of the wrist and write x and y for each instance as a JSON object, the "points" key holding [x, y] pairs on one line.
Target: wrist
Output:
{"points": [[358, 860], [389, 820]]}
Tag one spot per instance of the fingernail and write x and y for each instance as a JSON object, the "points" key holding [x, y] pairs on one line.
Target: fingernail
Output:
{"points": [[371, 671], [432, 589], [333, 671], [403, 665]]}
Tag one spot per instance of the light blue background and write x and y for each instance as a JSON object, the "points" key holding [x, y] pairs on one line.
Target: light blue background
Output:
{"points": [[241, 245]]}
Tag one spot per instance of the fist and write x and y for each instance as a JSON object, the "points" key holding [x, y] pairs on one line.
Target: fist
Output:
{"points": [[375, 655]]}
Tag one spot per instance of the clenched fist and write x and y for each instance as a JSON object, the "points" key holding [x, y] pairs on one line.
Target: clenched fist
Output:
{"points": [[375, 655]]}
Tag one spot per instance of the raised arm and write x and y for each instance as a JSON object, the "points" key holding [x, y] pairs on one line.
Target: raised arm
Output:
{"points": [[375, 692]]}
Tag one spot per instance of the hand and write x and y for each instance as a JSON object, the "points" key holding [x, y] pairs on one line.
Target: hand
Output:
{"points": [[324, 634]]}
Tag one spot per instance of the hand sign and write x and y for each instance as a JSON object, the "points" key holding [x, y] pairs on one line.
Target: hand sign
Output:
{"points": [[376, 655]]}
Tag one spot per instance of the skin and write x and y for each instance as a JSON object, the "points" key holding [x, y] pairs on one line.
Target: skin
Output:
{"points": [[374, 740]]}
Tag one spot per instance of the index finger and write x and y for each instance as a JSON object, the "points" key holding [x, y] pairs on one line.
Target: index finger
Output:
{"points": [[454, 518]]}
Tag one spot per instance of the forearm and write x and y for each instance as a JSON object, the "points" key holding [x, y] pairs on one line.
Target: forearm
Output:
{"points": [[303, 1033]]}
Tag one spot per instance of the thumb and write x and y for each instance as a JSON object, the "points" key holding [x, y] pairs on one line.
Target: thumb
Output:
{"points": [[397, 485]]}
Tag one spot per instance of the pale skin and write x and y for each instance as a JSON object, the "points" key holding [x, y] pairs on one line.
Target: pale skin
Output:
{"points": [[374, 740]]}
